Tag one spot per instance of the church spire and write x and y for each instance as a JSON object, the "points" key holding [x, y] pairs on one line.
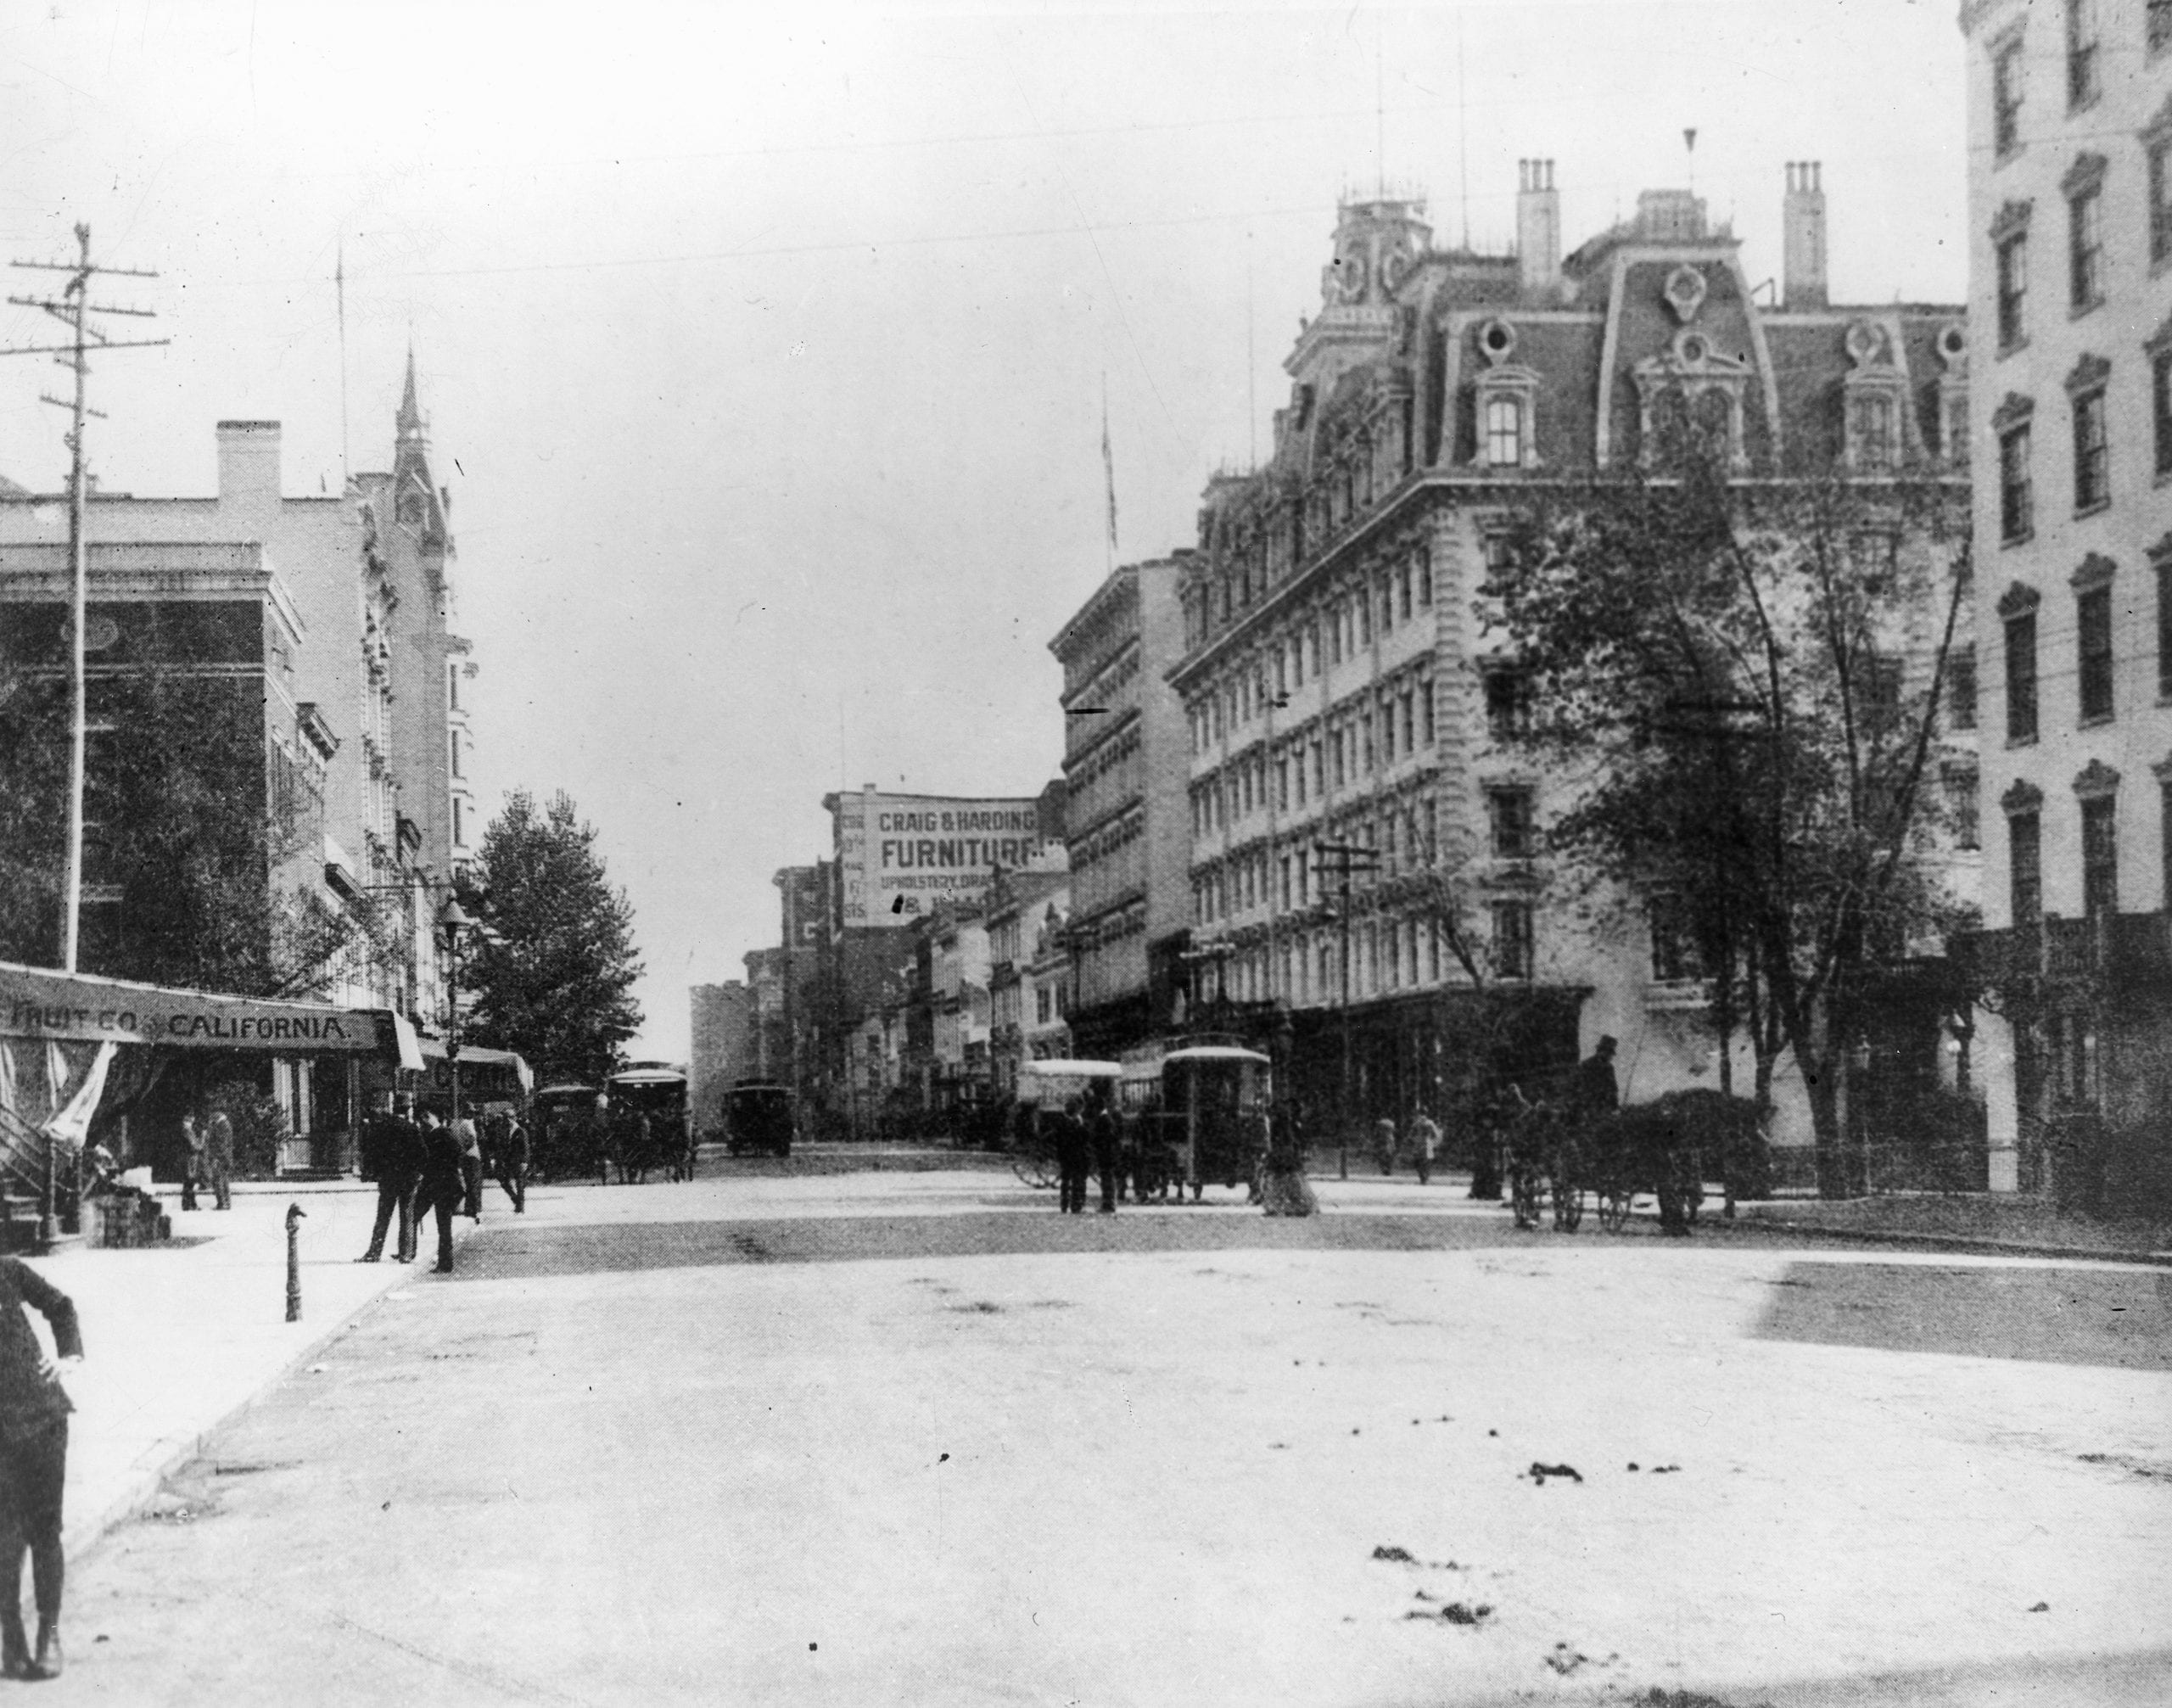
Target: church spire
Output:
{"points": [[409, 421]]}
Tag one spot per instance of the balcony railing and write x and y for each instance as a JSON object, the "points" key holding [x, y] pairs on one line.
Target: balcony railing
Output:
{"points": [[2114, 951]]}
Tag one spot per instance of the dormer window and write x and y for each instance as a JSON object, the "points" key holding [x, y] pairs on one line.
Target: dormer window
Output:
{"points": [[1870, 431], [1507, 395], [1504, 432]]}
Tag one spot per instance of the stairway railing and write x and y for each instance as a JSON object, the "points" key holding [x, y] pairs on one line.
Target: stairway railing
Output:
{"points": [[25, 1154]]}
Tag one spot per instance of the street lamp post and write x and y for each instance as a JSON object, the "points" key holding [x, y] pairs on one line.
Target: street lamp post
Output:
{"points": [[453, 920]]}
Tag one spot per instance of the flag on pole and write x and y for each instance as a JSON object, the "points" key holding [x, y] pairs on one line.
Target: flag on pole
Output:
{"points": [[1109, 468]]}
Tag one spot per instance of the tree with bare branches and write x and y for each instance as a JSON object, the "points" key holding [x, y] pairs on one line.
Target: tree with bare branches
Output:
{"points": [[1747, 680]]}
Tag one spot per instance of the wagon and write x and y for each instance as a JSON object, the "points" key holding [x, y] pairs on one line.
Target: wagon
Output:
{"points": [[1048, 1085], [1213, 1118]]}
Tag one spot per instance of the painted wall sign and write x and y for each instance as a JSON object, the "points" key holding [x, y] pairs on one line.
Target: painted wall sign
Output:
{"points": [[899, 856], [37, 1002]]}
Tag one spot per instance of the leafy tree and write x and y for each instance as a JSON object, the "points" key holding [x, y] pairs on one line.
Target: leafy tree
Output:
{"points": [[555, 978], [188, 822], [1746, 679]]}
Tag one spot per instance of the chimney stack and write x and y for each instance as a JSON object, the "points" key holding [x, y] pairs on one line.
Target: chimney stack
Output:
{"points": [[1802, 249], [1538, 226], [249, 462]]}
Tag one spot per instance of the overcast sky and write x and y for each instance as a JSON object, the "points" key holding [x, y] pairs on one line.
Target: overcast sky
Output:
{"points": [[764, 351]]}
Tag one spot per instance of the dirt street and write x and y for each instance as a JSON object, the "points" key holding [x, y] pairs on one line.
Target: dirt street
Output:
{"points": [[913, 1438]]}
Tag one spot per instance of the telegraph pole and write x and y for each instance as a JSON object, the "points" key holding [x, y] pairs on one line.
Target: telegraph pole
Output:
{"points": [[1342, 859], [72, 309]]}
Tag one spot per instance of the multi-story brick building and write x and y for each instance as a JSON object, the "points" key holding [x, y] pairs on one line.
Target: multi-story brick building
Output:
{"points": [[373, 743], [1124, 764], [1338, 688], [2070, 313]]}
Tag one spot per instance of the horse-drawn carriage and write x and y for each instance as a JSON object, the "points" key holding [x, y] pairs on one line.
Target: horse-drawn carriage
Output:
{"points": [[1209, 1123], [1190, 1117], [1045, 1088], [650, 1125], [1556, 1154]]}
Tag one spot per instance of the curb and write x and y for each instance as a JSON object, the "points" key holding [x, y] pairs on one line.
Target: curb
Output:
{"points": [[79, 1535], [1962, 1243]]}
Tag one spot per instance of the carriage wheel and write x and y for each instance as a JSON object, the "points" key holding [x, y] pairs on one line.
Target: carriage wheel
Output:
{"points": [[1523, 1193], [1034, 1171], [1614, 1202]]}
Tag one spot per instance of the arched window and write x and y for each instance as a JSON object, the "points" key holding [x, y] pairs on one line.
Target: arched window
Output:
{"points": [[1504, 432]]}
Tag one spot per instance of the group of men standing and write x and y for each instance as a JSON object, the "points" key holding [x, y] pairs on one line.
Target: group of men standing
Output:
{"points": [[431, 1169], [1088, 1137], [209, 1160]]}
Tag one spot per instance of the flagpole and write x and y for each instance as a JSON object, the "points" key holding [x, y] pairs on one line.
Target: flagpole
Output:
{"points": [[339, 285], [1109, 471]]}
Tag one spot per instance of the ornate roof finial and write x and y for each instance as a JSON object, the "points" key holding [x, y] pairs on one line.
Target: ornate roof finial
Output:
{"points": [[410, 419]]}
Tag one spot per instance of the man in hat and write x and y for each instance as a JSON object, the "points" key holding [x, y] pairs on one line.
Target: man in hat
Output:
{"points": [[513, 1162], [443, 1185], [392, 1156], [1597, 1095], [191, 1158], [219, 1152], [34, 1411]]}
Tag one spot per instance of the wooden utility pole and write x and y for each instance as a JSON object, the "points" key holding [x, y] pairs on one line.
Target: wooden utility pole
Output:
{"points": [[72, 308]]}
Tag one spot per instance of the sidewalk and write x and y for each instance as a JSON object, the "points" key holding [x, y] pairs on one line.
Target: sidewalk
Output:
{"points": [[1999, 1224], [178, 1338]]}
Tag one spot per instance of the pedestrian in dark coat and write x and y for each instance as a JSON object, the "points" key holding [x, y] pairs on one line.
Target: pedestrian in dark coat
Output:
{"points": [[1073, 1151], [513, 1163], [34, 1411], [218, 1154], [1597, 1095], [191, 1159], [443, 1186], [1104, 1136], [392, 1154]]}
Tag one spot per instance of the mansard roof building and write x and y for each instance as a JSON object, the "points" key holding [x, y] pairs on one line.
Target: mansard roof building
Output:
{"points": [[1336, 681]]}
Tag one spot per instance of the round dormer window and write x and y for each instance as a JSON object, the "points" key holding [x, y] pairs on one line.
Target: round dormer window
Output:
{"points": [[1498, 339], [1865, 343], [1695, 350], [1952, 342]]}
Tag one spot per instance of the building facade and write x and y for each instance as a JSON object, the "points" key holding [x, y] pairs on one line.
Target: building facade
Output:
{"points": [[1125, 768], [723, 1048], [2070, 318], [1025, 910], [373, 759], [1348, 720]]}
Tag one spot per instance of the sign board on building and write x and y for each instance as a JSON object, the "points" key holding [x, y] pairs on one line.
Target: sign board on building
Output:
{"points": [[900, 856], [36, 1002]]}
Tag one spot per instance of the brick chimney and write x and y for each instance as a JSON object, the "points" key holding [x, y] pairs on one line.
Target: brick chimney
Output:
{"points": [[1802, 248], [249, 462], [1538, 225]]}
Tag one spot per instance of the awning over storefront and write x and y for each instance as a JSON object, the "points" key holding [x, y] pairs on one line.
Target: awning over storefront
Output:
{"points": [[38, 1003], [499, 1072]]}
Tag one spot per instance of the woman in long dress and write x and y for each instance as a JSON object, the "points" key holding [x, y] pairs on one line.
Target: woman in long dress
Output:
{"points": [[1284, 1189]]}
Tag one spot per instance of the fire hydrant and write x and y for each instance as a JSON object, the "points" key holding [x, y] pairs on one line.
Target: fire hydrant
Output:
{"points": [[295, 1214]]}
